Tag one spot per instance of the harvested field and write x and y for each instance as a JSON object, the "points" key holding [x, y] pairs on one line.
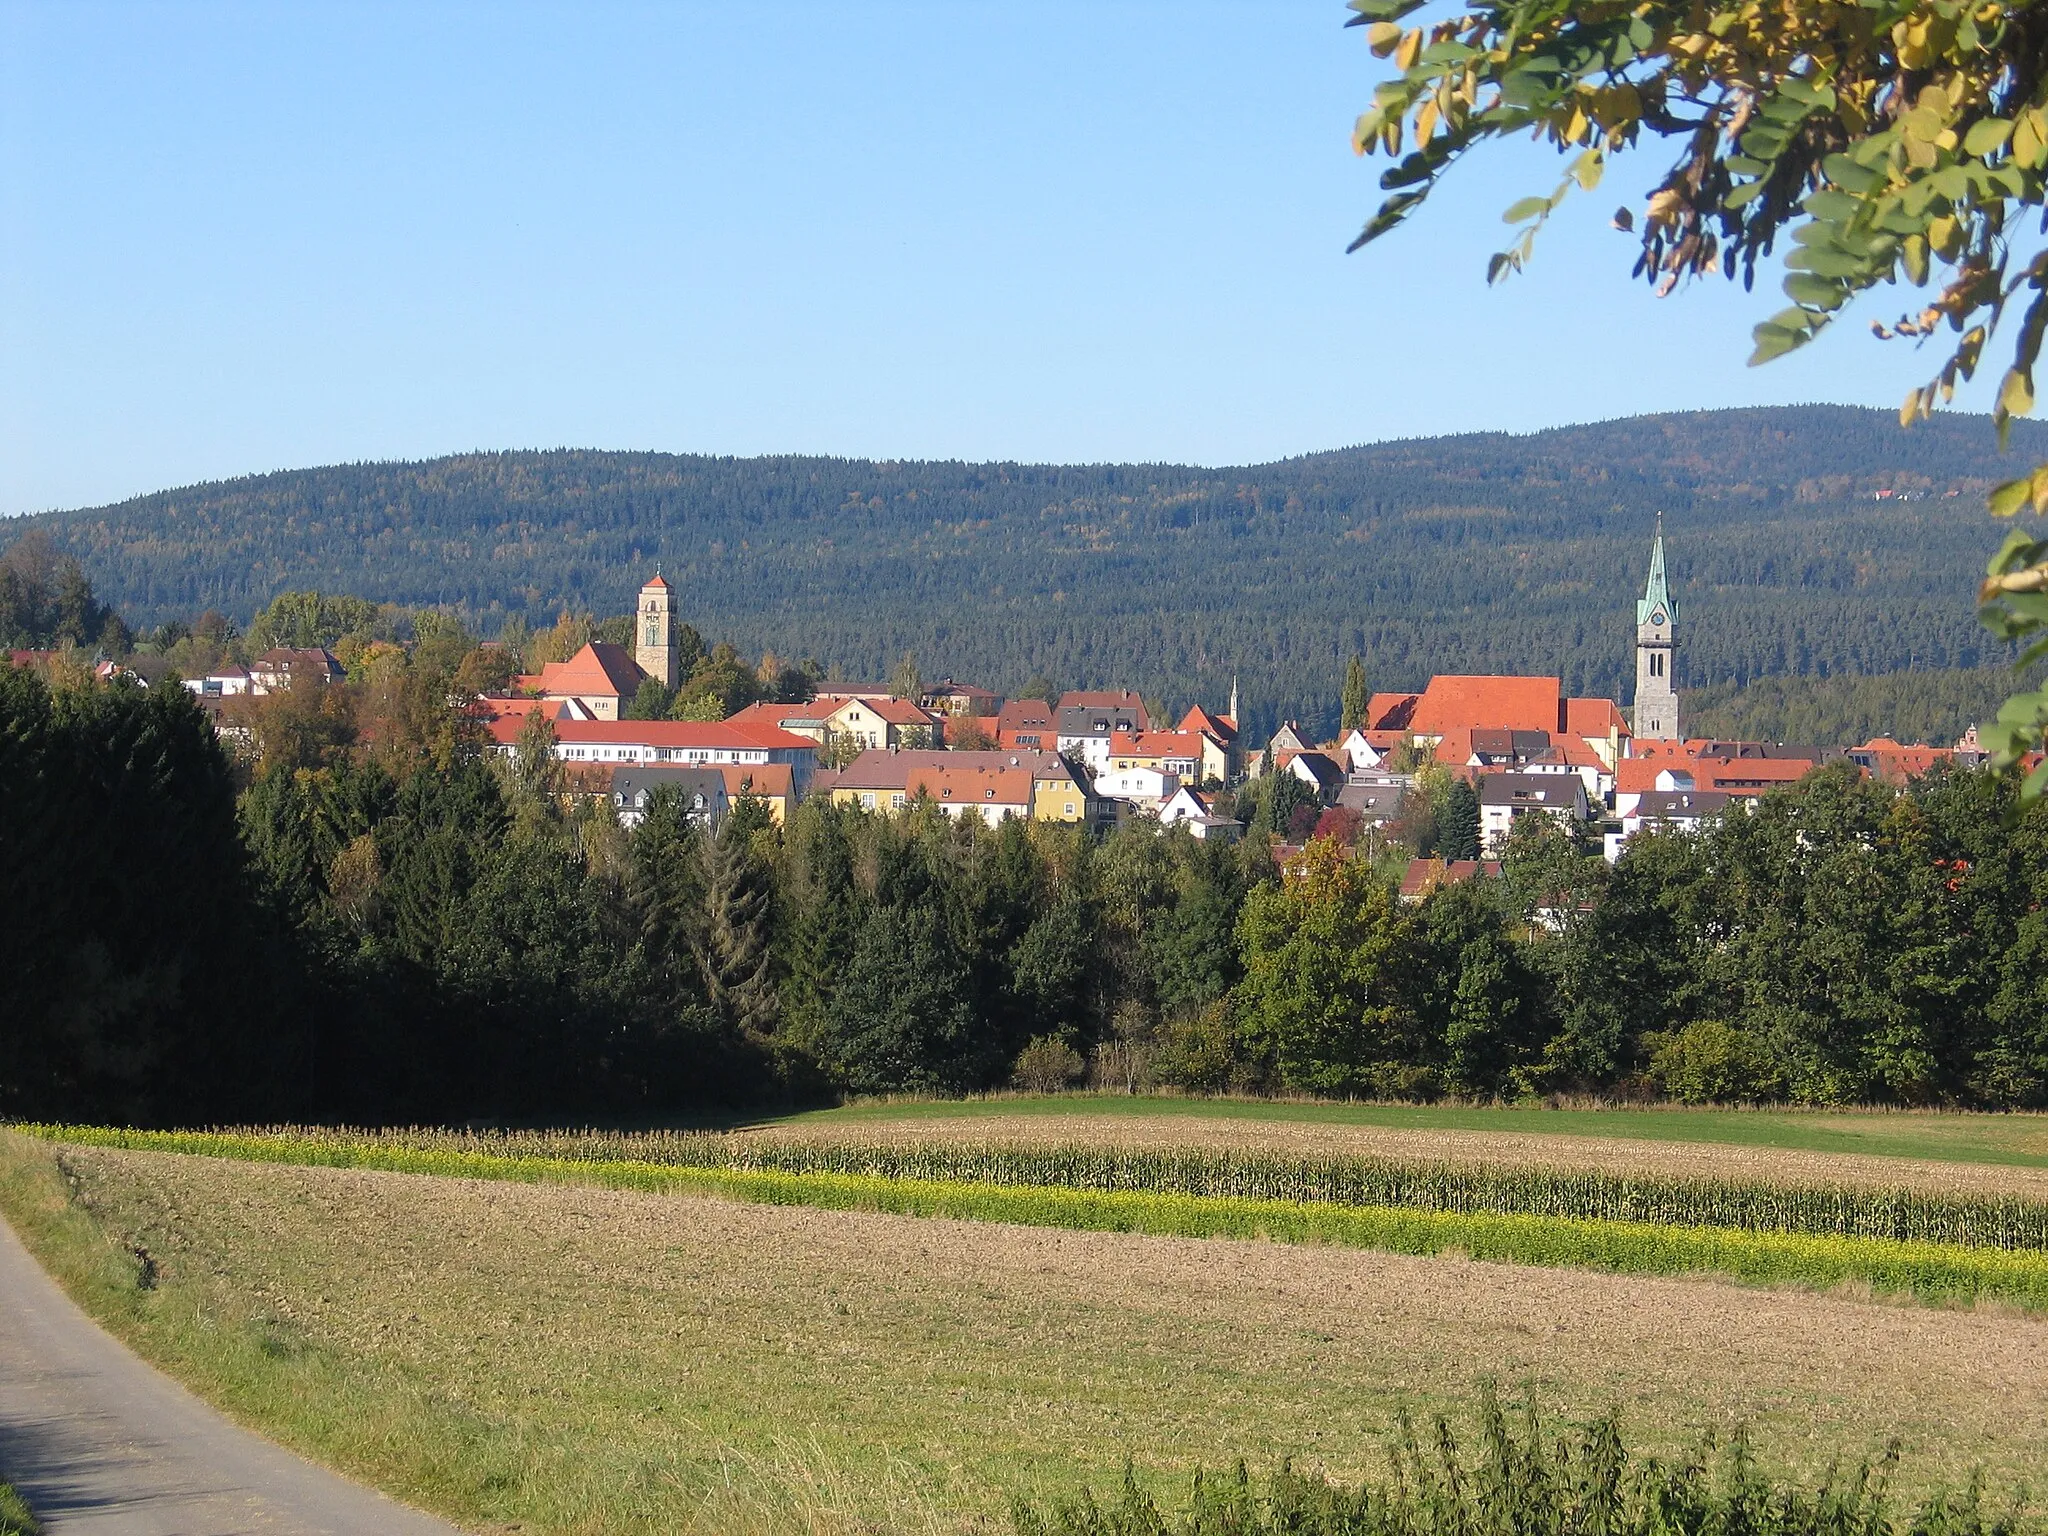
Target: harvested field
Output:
{"points": [[579, 1359], [1316, 1138]]}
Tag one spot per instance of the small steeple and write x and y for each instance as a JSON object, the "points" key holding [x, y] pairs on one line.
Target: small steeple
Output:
{"points": [[1233, 705], [1656, 594]]}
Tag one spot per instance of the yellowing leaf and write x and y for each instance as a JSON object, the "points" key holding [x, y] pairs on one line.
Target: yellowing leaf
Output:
{"points": [[2016, 394], [1381, 37], [1410, 49]]}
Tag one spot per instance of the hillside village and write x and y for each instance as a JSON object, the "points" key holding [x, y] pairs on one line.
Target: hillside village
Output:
{"points": [[1473, 754]]}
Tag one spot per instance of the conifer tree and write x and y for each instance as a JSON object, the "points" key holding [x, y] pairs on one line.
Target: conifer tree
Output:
{"points": [[1357, 699], [731, 938]]}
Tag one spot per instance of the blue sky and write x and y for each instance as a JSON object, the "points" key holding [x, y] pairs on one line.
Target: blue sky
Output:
{"points": [[241, 238]]}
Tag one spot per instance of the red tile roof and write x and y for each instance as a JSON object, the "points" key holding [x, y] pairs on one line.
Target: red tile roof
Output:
{"points": [[767, 781], [720, 735], [1506, 703], [1222, 727], [1425, 875], [893, 710], [1593, 717], [775, 714], [600, 669], [972, 786]]}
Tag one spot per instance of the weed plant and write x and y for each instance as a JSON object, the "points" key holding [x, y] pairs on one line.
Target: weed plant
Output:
{"points": [[1532, 1480]]}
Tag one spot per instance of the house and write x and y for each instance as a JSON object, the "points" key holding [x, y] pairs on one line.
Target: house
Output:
{"points": [[1360, 753], [1424, 875], [839, 693], [1454, 704], [884, 724], [1140, 785], [1121, 700], [1225, 761], [1506, 797], [1190, 808], [1680, 810], [1027, 724], [281, 666], [225, 681], [1885, 759], [1084, 731], [960, 701], [594, 684], [1184, 754], [691, 743], [888, 781], [798, 719], [703, 792], [1319, 771], [773, 784], [1376, 797]]}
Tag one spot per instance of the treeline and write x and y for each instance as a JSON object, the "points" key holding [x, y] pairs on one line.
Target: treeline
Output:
{"points": [[46, 601], [1483, 553], [387, 925]]}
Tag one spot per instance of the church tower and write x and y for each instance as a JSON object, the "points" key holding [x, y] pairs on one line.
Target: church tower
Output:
{"points": [[657, 651], [1656, 617]]}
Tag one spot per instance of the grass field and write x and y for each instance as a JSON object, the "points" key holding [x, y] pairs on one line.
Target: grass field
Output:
{"points": [[2010, 1141], [576, 1359]]}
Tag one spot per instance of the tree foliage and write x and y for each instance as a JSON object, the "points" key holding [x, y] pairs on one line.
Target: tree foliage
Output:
{"points": [[1890, 141]]}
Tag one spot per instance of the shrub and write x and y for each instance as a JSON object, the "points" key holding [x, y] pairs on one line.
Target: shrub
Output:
{"points": [[1709, 1062], [1047, 1065], [1198, 1051]]}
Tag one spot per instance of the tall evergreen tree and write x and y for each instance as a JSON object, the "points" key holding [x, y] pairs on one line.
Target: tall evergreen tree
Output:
{"points": [[731, 936], [1357, 696]]}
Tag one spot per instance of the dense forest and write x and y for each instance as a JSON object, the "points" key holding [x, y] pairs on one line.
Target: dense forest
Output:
{"points": [[1844, 710], [1477, 553], [368, 917]]}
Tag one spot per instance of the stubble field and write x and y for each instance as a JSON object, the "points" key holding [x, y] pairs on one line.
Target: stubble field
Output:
{"points": [[574, 1359]]}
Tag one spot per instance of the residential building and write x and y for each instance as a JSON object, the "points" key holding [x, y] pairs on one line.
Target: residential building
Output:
{"points": [[1377, 797], [1181, 753], [281, 666], [1143, 786], [809, 719], [1682, 810], [773, 784], [595, 684], [225, 681], [1319, 771], [1084, 731], [1424, 875], [703, 792], [1026, 723], [960, 701], [884, 723], [1224, 762], [1192, 809], [1121, 700], [1506, 797], [888, 781]]}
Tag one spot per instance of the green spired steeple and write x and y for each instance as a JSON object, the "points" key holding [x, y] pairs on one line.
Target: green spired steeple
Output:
{"points": [[1656, 594]]}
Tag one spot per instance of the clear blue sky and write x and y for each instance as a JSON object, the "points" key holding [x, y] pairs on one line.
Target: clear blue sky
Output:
{"points": [[240, 238]]}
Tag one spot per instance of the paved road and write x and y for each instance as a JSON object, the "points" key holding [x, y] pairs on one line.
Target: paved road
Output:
{"points": [[101, 1444]]}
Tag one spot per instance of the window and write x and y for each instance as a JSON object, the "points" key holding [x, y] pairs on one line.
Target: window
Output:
{"points": [[867, 802]]}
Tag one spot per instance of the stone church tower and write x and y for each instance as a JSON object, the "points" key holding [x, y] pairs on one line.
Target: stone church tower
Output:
{"points": [[657, 651], [1656, 617]]}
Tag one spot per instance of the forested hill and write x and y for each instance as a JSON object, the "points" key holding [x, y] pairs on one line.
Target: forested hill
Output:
{"points": [[1483, 552]]}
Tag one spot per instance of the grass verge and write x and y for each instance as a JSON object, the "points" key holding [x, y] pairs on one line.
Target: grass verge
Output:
{"points": [[2012, 1140], [1925, 1271], [15, 1519]]}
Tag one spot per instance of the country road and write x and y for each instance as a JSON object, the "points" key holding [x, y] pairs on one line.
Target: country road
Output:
{"points": [[101, 1444]]}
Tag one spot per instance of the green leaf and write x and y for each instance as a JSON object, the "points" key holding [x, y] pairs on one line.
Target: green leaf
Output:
{"points": [[1742, 165], [1774, 341], [2006, 500], [2016, 393], [1818, 292], [1987, 136], [1835, 207], [1527, 208], [1844, 172], [1742, 196]]}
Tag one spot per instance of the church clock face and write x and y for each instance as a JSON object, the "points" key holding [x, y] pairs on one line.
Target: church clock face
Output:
{"points": [[1656, 615]]}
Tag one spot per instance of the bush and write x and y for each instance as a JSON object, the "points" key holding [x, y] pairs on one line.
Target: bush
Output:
{"points": [[1709, 1062], [1198, 1052], [1047, 1065]]}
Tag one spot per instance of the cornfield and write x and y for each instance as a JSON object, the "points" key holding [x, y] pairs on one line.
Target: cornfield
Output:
{"points": [[2010, 1224]]}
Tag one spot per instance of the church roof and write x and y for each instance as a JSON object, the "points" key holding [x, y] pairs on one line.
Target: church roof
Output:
{"points": [[1656, 593], [657, 580]]}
